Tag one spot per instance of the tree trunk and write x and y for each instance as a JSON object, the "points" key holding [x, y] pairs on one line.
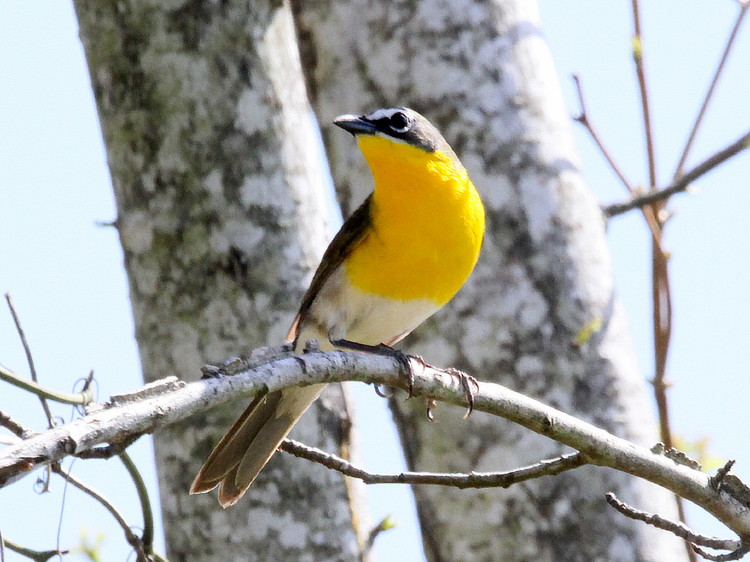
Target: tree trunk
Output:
{"points": [[221, 216], [539, 314]]}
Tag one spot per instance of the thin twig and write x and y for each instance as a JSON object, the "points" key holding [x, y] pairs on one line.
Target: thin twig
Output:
{"points": [[29, 357], [130, 536], [640, 71], [716, 480], [470, 480], [709, 94], [660, 285], [662, 319], [676, 528], [684, 181], [583, 119], [147, 539], [385, 524], [77, 399], [37, 555], [734, 555], [15, 427], [661, 294], [108, 451]]}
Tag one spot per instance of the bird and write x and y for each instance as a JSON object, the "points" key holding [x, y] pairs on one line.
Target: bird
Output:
{"points": [[398, 259]]}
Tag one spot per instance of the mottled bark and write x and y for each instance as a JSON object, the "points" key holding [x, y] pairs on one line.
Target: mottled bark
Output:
{"points": [[482, 73], [221, 216]]}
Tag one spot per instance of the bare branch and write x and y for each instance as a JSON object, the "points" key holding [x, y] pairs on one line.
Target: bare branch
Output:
{"points": [[640, 70], [78, 399], [583, 119], [29, 356], [130, 536], [717, 480], [683, 182], [661, 294], [147, 539], [108, 451], [385, 524], [661, 310], [15, 427], [107, 422], [37, 555], [675, 527], [735, 555], [648, 213], [456, 480], [709, 94]]}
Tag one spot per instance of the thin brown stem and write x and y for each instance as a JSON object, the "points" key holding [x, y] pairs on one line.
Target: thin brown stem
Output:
{"points": [[661, 305], [684, 181], [130, 536], [471, 480], [662, 318], [29, 357], [714, 82], [643, 89], [583, 119], [677, 528], [660, 292]]}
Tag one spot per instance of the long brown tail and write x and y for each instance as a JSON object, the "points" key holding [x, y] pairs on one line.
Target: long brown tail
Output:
{"points": [[251, 442]]}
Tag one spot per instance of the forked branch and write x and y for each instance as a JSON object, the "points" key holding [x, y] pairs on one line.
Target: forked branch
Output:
{"points": [[684, 181]]}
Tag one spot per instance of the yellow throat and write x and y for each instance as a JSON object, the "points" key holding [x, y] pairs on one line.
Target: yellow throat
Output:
{"points": [[427, 224]]}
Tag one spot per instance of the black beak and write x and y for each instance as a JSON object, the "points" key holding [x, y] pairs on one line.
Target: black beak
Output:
{"points": [[355, 125]]}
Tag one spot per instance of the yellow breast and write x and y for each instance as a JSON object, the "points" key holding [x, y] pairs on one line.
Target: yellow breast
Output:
{"points": [[427, 224]]}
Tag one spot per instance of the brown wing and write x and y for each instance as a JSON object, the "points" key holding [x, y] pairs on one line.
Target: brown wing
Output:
{"points": [[347, 238]]}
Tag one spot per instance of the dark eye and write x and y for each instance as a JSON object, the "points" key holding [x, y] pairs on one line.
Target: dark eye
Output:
{"points": [[399, 122]]}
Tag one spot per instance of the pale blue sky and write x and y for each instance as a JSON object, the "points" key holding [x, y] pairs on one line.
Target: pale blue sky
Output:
{"points": [[66, 276]]}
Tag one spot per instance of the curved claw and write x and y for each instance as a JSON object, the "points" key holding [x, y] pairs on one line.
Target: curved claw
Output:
{"points": [[430, 407], [469, 385], [383, 391]]}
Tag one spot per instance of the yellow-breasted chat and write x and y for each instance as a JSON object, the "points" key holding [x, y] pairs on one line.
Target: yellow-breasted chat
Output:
{"points": [[399, 258]]}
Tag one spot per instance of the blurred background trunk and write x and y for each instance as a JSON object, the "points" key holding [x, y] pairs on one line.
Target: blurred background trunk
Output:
{"points": [[222, 219], [483, 74]]}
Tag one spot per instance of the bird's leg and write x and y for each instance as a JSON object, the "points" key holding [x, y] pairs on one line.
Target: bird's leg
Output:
{"points": [[381, 349]]}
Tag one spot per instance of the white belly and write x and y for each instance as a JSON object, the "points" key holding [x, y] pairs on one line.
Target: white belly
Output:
{"points": [[341, 311]]}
